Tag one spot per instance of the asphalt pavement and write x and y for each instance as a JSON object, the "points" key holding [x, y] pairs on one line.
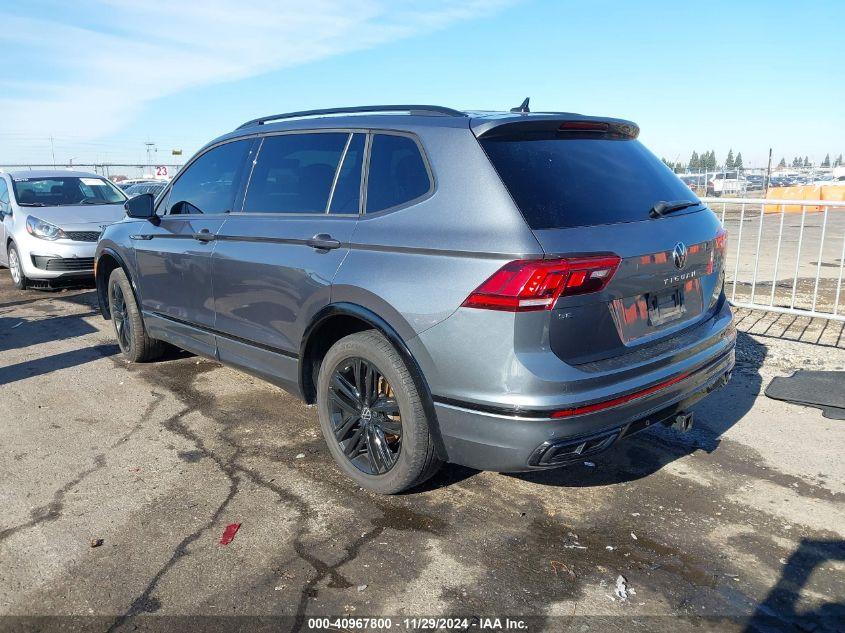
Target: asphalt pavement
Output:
{"points": [[119, 480]]}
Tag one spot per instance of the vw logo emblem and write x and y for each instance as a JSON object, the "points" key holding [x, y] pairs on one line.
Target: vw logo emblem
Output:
{"points": [[366, 414], [679, 255]]}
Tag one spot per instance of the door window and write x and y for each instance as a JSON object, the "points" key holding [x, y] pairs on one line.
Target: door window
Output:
{"points": [[347, 190], [4, 197], [397, 172], [294, 173], [208, 185]]}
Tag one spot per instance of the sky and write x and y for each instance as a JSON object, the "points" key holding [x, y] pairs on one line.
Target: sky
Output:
{"points": [[93, 80]]}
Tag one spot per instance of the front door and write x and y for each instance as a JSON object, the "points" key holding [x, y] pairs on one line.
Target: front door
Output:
{"points": [[275, 260], [174, 257]]}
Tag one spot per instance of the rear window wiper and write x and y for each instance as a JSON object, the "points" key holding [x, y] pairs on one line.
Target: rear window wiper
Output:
{"points": [[662, 207]]}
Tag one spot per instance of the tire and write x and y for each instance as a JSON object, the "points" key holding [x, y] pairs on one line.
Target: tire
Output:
{"points": [[413, 454], [16, 268], [132, 337]]}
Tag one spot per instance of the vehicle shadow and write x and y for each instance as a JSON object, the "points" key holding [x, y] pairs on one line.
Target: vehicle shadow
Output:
{"points": [[47, 321], [16, 333], [779, 610], [72, 295], [64, 360], [649, 451]]}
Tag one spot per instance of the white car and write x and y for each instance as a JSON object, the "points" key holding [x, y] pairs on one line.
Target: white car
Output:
{"points": [[51, 221], [726, 183]]}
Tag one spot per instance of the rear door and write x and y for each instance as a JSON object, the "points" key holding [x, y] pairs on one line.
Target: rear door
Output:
{"points": [[591, 193], [276, 257], [174, 257]]}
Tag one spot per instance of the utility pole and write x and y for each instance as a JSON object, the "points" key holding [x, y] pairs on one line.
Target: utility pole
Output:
{"points": [[53, 151], [768, 171], [150, 147]]}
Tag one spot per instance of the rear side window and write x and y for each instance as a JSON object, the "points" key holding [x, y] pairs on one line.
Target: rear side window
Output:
{"points": [[560, 183], [397, 172], [347, 190], [294, 173], [208, 184]]}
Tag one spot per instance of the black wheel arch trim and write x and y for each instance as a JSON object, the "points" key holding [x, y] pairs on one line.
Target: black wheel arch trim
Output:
{"points": [[102, 283], [378, 323]]}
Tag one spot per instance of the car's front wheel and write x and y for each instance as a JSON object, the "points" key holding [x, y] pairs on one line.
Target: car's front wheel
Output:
{"points": [[132, 337], [372, 416], [16, 268]]}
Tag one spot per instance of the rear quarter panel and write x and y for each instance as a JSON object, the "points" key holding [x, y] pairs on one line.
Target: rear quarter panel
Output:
{"points": [[414, 266]]}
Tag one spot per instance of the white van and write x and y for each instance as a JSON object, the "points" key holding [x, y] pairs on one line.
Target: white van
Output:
{"points": [[726, 183]]}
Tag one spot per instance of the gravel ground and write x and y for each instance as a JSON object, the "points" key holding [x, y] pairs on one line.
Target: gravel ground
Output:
{"points": [[738, 524]]}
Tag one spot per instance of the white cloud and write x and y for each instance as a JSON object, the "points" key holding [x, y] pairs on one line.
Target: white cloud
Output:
{"points": [[91, 79]]}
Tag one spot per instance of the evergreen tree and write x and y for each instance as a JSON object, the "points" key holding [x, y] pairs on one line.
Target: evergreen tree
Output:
{"points": [[806, 161], [826, 161], [738, 161], [729, 161], [782, 163], [694, 162], [838, 161]]}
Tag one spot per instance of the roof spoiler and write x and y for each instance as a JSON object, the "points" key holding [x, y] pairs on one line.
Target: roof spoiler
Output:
{"points": [[554, 124]]}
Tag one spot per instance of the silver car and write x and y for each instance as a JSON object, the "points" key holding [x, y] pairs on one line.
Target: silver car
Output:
{"points": [[51, 221]]}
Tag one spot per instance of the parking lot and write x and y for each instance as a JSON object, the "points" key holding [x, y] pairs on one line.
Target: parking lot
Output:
{"points": [[741, 521]]}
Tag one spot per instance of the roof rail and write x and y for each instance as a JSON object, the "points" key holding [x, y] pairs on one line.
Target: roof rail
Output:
{"points": [[413, 109]]}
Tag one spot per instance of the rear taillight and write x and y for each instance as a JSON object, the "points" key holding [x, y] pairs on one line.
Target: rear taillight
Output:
{"points": [[721, 242], [720, 247], [524, 285]]}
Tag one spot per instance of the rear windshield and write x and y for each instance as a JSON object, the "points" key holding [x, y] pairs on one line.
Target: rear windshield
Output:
{"points": [[560, 183]]}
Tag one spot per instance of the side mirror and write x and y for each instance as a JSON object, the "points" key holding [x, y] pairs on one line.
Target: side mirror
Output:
{"points": [[141, 207]]}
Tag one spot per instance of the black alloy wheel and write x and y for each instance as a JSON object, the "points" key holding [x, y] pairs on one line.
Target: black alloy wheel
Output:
{"points": [[365, 416], [120, 316]]}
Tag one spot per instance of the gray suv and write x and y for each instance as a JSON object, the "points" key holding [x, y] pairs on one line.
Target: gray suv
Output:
{"points": [[507, 291]]}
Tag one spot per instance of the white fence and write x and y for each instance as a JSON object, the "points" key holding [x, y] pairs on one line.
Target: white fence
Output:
{"points": [[785, 256]]}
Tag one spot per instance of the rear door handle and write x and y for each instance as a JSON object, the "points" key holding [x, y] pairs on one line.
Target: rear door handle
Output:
{"points": [[323, 241], [204, 236]]}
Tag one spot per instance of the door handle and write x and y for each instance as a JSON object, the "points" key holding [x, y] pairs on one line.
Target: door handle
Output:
{"points": [[205, 236], [323, 242]]}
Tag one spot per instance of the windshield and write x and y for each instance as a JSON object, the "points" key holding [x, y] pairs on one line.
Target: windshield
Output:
{"points": [[64, 191], [561, 183]]}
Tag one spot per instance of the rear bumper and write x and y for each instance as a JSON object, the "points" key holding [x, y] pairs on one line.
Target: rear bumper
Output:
{"points": [[488, 440]]}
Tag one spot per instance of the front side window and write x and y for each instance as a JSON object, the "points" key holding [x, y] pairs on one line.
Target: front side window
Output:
{"points": [[294, 173], [65, 191], [208, 184], [397, 172]]}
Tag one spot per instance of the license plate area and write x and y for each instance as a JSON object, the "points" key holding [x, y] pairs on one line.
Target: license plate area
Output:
{"points": [[665, 306]]}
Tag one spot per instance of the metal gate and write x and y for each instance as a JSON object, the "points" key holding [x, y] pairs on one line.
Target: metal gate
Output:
{"points": [[784, 256]]}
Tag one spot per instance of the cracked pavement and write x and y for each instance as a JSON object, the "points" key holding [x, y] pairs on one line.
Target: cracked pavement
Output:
{"points": [[741, 521]]}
